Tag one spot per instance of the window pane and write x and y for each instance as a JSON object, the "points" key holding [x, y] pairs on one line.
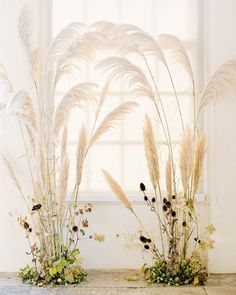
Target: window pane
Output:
{"points": [[137, 13], [67, 11], [173, 115], [178, 18], [103, 157], [102, 10]]}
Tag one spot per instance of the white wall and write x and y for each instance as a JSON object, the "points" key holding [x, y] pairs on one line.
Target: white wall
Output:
{"points": [[221, 119], [112, 218]]}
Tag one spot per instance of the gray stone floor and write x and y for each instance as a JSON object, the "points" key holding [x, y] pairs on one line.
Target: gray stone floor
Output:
{"points": [[112, 282]]}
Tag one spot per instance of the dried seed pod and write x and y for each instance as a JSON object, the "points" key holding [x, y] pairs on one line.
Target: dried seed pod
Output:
{"points": [[36, 207], [142, 187], [143, 239], [164, 208], [75, 228], [168, 204], [85, 223], [173, 213]]}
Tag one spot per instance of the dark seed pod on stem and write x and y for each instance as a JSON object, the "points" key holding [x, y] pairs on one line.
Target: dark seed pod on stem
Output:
{"points": [[36, 207], [142, 187], [173, 213], [164, 208], [143, 239], [168, 204], [75, 228]]}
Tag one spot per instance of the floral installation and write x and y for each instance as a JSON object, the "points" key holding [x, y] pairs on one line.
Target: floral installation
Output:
{"points": [[56, 221], [176, 252]]}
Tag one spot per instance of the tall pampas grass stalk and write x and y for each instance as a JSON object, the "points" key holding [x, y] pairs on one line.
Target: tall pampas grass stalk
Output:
{"points": [[186, 159], [56, 220], [151, 153], [117, 190], [169, 183], [198, 162], [174, 204]]}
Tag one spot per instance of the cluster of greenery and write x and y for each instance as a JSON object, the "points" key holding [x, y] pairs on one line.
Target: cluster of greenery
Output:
{"points": [[190, 271], [66, 270]]}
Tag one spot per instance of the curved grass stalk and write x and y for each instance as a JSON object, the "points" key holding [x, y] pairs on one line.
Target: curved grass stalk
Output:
{"points": [[165, 128], [176, 97]]}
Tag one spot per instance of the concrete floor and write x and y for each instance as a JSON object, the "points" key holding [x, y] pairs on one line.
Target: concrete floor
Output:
{"points": [[112, 282]]}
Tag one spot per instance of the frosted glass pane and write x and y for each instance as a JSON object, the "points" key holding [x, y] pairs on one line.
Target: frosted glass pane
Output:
{"points": [[179, 18], [135, 169], [102, 10], [103, 157], [137, 13], [66, 12], [173, 117], [133, 125], [76, 119]]}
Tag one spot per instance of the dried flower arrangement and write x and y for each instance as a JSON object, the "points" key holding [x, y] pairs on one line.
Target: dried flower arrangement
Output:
{"points": [[55, 220], [176, 252]]}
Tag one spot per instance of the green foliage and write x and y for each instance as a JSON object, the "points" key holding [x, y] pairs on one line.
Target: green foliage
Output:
{"points": [[66, 270], [189, 271]]}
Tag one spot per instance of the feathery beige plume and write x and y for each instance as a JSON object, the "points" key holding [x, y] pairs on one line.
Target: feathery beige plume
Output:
{"points": [[26, 27], [4, 80], [64, 39], [74, 98], [198, 162], [21, 106], [223, 79], [117, 190], [64, 143], [151, 152], [42, 165], [179, 54], [11, 173], [112, 118], [186, 158], [82, 148], [119, 68], [169, 178], [63, 184]]}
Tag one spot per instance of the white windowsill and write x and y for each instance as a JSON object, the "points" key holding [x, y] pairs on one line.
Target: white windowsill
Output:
{"points": [[108, 198]]}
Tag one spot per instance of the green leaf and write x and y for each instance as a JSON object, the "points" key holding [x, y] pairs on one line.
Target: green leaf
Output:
{"points": [[196, 281], [53, 271]]}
